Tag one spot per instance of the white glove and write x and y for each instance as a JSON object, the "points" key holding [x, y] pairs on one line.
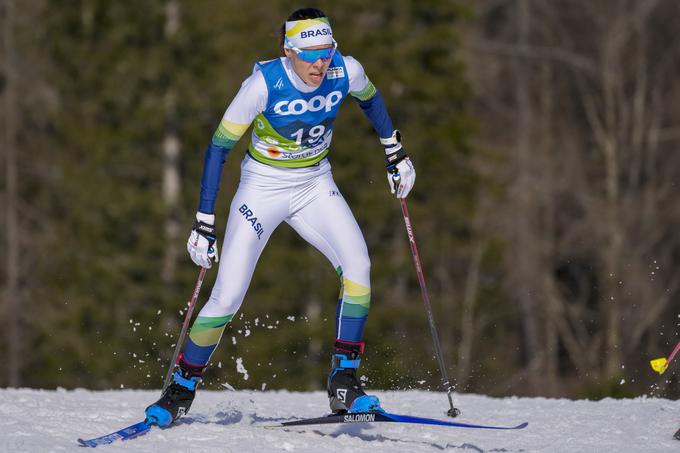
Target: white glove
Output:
{"points": [[402, 180], [202, 243], [400, 172]]}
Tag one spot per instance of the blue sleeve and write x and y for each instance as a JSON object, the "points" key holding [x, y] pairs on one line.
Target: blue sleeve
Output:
{"points": [[215, 156], [376, 111]]}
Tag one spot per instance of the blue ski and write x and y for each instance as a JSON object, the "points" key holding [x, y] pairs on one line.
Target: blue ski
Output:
{"points": [[374, 417], [130, 432]]}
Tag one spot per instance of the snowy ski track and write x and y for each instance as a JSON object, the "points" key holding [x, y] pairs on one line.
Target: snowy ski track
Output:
{"points": [[226, 421]]}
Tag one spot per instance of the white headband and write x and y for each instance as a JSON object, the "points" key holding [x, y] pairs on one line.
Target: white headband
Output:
{"points": [[308, 33]]}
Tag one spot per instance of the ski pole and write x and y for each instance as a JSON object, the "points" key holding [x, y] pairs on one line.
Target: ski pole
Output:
{"points": [[185, 325], [660, 365], [453, 411]]}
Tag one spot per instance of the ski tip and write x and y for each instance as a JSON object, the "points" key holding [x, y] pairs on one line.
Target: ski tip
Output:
{"points": [[84, 443], [130, 432], [522, 425]]}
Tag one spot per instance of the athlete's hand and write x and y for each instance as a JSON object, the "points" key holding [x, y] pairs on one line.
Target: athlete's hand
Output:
{"points": [[202, 243], [401, 175]]}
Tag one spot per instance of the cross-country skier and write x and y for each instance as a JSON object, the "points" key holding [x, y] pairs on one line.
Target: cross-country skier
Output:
{"points": [[285, 176]]}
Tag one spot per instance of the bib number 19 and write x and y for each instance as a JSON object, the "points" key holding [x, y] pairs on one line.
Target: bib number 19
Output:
{"points": [[314, 134]]}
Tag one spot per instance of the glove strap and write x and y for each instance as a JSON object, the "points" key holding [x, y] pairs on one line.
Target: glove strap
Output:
{"points": [[391, 160], [394, 153], [206, 230]]}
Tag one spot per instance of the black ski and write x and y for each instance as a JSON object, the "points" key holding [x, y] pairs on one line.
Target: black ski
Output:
{"points": [[386, 417]]}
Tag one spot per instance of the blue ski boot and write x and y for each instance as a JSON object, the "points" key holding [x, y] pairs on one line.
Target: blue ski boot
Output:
{"points": [[178, 396], [344, 389]]}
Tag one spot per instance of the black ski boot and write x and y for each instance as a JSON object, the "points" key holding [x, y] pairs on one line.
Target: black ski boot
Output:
{"points": [[677, 435], [344, 389], [178, 396]]}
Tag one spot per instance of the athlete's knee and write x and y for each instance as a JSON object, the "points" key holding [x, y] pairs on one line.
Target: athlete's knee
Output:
{"points": [[221, 305], [359, 267]]}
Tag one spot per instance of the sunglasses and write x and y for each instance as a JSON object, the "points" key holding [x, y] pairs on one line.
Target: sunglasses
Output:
{"points": [[310, 56]]}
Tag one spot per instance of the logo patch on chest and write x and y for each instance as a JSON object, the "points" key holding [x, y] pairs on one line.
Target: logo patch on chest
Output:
{"points": [[335, 72], [315, 104]]}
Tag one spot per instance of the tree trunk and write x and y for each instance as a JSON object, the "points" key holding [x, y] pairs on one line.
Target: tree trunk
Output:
{"points": [[12, 302], [468, 322], [525, 256], [171, 151], [547, 241]]}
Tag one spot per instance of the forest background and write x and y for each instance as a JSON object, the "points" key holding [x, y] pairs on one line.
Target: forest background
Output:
{"points": [[544, 134]]}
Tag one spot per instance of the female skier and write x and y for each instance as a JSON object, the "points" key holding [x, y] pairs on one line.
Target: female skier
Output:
{"points": [[285, 176]]}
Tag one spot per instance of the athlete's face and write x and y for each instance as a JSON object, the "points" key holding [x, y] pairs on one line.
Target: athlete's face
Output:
{"points": [[310, 73]]}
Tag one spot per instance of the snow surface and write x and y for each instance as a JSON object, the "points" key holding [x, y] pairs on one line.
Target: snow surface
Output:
{"points": [[231, 421]]}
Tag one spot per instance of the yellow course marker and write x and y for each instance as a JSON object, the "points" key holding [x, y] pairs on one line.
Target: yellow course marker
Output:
{"points": [[660, 365]]}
